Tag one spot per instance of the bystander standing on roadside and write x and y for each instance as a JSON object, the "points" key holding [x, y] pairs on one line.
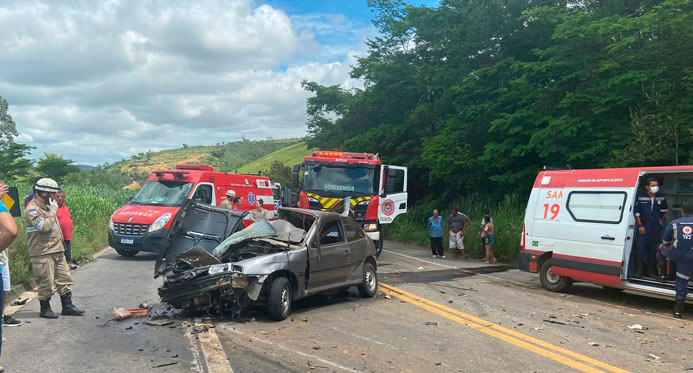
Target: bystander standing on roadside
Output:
{"points": [[457, 225], [489, 230], [8, 232], [66, 226], [237, 203], [481, 229], [435, 229], [259, 212], [5, 269]]}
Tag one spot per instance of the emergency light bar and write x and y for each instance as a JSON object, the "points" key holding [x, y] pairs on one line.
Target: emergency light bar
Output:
{"points": [[176, 174], [195, 167], [345, 155]]}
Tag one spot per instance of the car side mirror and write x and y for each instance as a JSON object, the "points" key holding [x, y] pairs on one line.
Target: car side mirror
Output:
{"points": [[296, 170]]}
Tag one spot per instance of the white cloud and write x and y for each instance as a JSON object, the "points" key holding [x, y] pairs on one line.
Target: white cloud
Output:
{"points": [[99, 81]]}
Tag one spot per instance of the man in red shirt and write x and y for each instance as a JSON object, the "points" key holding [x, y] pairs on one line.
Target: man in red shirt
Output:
{"points": [[66, 225]]}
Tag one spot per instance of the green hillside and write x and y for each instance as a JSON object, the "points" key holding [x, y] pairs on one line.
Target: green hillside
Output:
{"points": [[224, 157], [287, 156]]}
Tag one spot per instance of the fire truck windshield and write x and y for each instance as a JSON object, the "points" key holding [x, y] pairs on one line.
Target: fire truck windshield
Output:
{"points": [[162, 193], [340, 181]]}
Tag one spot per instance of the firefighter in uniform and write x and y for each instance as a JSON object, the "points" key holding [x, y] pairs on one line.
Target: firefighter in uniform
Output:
{"points": [[677, 245], [650, 214], [228, 202], [47, 251]]}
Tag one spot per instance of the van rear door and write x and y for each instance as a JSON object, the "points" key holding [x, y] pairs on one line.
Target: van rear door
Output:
{"points": [[590, 244]]}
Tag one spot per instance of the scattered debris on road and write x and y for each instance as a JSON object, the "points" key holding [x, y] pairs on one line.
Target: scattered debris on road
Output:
{"points": [[19, 302], [594, 344], [431, 323], [162, 312], [653, 356], [166, 364], [120, 314], [159, 322], [635, 327]]}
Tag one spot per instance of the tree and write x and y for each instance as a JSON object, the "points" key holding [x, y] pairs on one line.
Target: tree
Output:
{"points": [[13, 162], [55, 166], [280, 173], [8, 129]]}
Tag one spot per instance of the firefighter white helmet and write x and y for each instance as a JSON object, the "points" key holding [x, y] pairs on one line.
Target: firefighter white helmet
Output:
{"points": [[230, 193], [47, 185]]}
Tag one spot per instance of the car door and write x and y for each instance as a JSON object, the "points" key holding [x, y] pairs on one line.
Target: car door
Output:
{"points": [[329, 255], [357, 246]]}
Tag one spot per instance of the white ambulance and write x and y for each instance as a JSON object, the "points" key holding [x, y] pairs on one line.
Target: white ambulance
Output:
{"points": [[579, 225]]}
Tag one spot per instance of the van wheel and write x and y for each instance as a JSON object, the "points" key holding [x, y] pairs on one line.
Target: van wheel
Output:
{"points": [[612, 290], [369, 286], [127, 254], [553, 282], [279, 299]]}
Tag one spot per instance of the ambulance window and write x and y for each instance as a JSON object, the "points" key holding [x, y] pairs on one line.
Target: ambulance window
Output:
{"points": [[203, 194], [597, 207]]}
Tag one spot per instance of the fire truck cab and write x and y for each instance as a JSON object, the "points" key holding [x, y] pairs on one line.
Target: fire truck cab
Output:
{"points": [[143, 223], [580, 226], [377, 192]]}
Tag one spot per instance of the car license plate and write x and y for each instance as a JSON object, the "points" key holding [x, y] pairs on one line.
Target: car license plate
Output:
{"points": [[128, 241]]}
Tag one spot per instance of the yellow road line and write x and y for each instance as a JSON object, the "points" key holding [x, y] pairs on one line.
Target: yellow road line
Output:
{"points": [[513, 337]]}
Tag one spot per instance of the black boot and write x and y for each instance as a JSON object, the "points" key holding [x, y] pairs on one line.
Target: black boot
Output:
{"points": [[69, 309], [661, 269], [46, 310], [638, 268], [678, 306]]}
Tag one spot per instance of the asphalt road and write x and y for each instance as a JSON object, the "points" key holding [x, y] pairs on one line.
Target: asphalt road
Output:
{"points": [[433, 315]]}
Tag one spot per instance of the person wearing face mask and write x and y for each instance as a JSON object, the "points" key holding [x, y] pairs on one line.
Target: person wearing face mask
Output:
{"points": [[650, 214], [47, 251]]}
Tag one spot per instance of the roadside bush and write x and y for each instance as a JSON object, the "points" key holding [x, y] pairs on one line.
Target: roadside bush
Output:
{"points": [[507, 214], [91, 208]]}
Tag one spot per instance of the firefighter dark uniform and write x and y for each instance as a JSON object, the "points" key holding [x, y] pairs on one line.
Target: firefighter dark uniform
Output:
{"points": [[648, 214], [679, 237], [47, 252]]}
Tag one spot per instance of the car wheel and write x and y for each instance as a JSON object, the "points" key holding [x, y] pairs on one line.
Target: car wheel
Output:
{"points": [[370, 281], [378, 247], [127, 254], [552, 282], [279, 299]]}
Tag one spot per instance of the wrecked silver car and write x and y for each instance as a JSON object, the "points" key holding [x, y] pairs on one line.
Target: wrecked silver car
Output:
{"points": [[213, 265]]}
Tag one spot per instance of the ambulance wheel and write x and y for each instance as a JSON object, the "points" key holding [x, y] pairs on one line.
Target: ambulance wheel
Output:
{"points": [[612, 290], [553, 282], [378, 247], [127, 254]]}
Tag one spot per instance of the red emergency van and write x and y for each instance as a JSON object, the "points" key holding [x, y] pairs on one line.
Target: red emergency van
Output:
{"points": [[579, 225], [143, 223]]}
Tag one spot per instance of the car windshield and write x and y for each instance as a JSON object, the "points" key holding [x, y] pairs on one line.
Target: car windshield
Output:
{"points": [[260, 228], [162, 193], [336, 181]]}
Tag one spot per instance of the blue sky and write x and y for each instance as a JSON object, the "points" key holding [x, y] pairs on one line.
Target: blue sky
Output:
{"points": [[100, 81]]}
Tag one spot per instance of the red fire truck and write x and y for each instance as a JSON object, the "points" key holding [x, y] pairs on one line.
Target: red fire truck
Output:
{"points": [[143, 223], [377, 192]]}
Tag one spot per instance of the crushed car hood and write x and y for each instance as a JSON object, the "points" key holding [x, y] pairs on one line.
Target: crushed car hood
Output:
{"points": [[198, 225]]}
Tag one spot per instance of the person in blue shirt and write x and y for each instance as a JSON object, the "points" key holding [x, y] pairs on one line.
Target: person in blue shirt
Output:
{"points": [[435, 229], [677, 245], [650, 214]]}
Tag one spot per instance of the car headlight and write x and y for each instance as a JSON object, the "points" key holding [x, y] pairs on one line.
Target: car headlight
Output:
{"points": [[160, 222], [226, 267], [370, 227], [111, 225]]}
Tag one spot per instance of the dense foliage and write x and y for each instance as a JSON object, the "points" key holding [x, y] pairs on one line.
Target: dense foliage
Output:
{"points": [[479, 95]]}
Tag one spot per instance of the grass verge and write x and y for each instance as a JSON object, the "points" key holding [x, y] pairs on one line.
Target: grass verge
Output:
{"points": [[507, 214]]}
